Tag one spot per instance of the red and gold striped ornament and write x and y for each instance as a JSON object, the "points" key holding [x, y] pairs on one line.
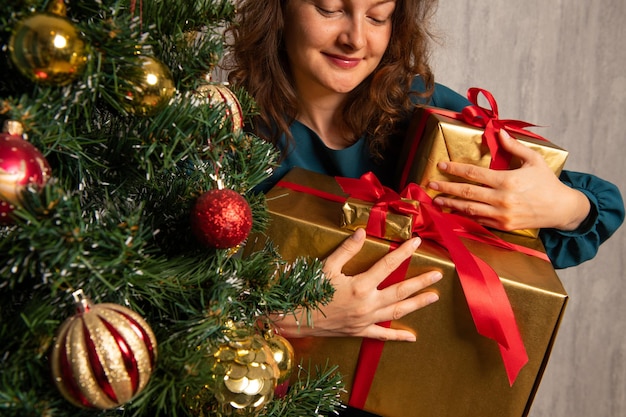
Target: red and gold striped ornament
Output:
{"points": [[219, 95], [103, 356]]}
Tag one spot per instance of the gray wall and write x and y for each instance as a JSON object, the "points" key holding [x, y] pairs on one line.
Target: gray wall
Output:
{"points": [[560, 64]]}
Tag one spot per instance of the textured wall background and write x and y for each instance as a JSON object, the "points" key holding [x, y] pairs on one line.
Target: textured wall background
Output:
{"points": [[560, 64]]}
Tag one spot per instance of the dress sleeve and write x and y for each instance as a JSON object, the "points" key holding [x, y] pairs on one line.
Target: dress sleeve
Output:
{"points": [[566, 249]]}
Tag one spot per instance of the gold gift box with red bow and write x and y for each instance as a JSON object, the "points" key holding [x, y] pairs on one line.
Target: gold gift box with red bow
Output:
{"points": [[451, 370], [438, 135]]}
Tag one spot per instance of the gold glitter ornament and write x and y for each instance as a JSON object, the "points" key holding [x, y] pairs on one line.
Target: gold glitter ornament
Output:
{"points": [[245, 374], [103, 356], [47, 48], [150, 86]]}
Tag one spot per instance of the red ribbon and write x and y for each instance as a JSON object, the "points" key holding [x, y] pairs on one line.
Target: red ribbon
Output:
{"points": [[487, 119], [487, 301], [372, 349]]}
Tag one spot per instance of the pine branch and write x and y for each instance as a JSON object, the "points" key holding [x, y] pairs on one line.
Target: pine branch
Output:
{"points": [[115, 219]]}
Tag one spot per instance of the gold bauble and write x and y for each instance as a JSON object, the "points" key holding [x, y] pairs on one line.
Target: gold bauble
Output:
{"points": [[283, 354], [219, 96], [151, 86], [245, 375], [103, 356], [47, 48]]}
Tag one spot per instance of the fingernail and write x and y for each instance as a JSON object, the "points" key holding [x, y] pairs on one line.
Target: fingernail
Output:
{"points": [[432, 298], [358, 234], [436, 276], [416, 242], [433, 185], [442, 165], [438, 201], [411, 338], [505, 134]]}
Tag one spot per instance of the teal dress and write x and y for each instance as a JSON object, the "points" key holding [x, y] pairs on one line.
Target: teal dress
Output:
{"points": [[565, 249]]}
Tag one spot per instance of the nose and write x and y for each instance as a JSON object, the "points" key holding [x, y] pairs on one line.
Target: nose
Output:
{"points": [[353, 35]]}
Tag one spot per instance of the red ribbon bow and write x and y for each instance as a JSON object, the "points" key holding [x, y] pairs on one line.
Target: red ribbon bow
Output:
{"points": [[488, 119], [384, 199]]}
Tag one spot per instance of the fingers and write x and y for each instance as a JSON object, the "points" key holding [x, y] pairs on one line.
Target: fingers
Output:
{"points": [[471, 206], [405, 297], [388, 334], [358, 304], [407, 289], [515, 147], [471, 173], [335, 262], [466, 192], [479, 175], [390, 262], [401, 309]]}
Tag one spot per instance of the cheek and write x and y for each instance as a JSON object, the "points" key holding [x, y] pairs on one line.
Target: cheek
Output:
{"points": [[311, 35], [380, 42]]}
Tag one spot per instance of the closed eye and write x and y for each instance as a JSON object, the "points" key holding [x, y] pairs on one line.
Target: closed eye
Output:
{"points": [[379, 21], [325, 12]]}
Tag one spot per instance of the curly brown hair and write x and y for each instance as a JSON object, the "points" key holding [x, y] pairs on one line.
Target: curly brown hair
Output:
{"points": [[257, 61]]}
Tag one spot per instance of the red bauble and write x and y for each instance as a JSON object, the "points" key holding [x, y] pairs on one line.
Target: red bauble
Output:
{"points": [[221, 219], [21, 165]]}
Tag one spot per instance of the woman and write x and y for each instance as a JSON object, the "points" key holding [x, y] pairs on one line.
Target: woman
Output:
{"points": [[335, 82]]}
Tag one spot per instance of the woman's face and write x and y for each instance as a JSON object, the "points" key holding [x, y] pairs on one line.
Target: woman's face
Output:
{"points": [[333, 45]]}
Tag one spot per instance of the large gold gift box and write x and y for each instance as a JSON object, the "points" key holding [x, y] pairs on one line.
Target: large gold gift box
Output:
{"points": [[450, 371], [435, 136]]}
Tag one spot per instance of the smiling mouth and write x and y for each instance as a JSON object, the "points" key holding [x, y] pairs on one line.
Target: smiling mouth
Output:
{"points": [[342, 61]]}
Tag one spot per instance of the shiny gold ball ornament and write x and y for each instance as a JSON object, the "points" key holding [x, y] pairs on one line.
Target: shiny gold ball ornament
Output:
{"points": [[219, 96], [245, 374], [103, 356], [47, 48], [284, 355], [150, 86]]}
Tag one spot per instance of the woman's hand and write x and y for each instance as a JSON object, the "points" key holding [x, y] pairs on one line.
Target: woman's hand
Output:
{"points": [[528, 197], [357, 303]]}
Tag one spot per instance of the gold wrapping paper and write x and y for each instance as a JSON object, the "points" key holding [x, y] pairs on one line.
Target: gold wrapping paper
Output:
{"points": [[446, 139], [451, 370], [356, 213]]}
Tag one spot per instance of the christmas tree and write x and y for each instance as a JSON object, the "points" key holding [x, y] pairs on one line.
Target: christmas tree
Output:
{"points": [[126, 196]]}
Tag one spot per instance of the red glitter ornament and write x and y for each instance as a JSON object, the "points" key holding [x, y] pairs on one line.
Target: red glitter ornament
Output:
{"points": [[221, 219], [21, 165]]}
